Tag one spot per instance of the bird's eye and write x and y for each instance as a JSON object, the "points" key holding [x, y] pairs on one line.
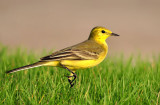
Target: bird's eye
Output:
{"points": [[103, 31]]}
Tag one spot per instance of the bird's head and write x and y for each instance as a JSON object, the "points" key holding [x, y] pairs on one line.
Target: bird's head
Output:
{"points": [[101, 34]]}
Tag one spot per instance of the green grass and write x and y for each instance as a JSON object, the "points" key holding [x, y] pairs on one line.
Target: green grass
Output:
{"points": [[116, 81]]}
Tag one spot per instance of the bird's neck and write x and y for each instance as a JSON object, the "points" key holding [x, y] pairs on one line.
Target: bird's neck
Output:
{"points": [[101, 42]]}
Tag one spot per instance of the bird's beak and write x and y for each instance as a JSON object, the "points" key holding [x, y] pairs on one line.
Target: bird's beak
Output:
{"points": [[113, 34]]}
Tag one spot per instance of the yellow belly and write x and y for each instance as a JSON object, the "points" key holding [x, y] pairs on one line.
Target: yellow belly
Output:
{"points": [[74, 65]]}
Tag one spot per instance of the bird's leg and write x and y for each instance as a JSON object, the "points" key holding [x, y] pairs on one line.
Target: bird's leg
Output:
{"points": [[70, 80], [73, 74]]}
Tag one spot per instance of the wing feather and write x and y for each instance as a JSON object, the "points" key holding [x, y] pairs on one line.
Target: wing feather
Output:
{"points": [[71, 55], [86, 50]]}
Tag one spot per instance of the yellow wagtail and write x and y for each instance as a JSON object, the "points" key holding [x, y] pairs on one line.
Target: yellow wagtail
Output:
{"points": [[80, 56]]}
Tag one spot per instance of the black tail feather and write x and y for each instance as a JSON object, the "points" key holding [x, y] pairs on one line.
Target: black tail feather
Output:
{"points": [[37, 64]]}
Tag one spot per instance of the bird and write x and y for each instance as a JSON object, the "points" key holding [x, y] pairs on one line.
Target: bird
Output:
{"points": [[83, 55]]}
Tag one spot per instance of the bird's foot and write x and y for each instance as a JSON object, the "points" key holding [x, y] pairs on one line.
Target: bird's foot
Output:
{"points": [[72, 82]]}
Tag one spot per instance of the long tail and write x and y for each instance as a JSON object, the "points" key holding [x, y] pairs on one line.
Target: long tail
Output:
{"points": [[37, 64]]}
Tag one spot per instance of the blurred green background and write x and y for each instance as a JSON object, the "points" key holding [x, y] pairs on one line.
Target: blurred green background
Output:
{"points": [[51, 24]]}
